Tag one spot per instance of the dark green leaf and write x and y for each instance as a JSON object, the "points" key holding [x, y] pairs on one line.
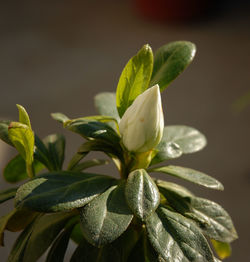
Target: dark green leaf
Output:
{"points": [[61, 191], [17, 251], [170, 61], [76, 234], [55, 145], [45, 230], [134, 79], [60, 117], [90, 129], [59, 247], [178, 140], [106, 105], [106, 217], [141, 193], [15, 170], [4, 125], [190, 175], [88, 164], [223, 250], [7, 194], [23, 139], [210, 217], [176, 238]]}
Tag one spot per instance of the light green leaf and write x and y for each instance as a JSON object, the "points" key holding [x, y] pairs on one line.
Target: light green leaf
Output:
{"points": [[23, 139], [141, 193], [106, 217], [76, 234], [60, 117], [4, 125], [213, 220], [15, 170], [61, 191], [23, 116], [89, 163], [176, 238], [134, 79], [105, 104], [190, 175], [178, 140], [170, 61], [7, 194], [45, 230], [223, 250]]}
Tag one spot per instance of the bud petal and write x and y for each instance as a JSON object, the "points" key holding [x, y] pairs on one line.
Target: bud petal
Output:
{"points": [[142, 124]]}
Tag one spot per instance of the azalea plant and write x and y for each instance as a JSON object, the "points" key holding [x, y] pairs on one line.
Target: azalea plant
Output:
{"points": [[128, 216]]}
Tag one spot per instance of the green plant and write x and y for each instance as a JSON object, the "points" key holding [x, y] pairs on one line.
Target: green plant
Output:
{"points": [[135, 217]]}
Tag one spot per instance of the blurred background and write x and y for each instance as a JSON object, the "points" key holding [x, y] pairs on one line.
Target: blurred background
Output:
{"points": [[56, 55]]}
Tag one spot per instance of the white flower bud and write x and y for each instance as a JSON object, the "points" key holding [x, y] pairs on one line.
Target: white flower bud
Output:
{"points": [[142, 124]]}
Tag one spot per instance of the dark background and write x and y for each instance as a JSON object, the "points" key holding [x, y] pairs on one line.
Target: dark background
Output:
{"points": [[56, 55]]}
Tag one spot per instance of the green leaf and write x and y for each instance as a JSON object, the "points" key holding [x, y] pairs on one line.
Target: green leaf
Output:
{"points": [[170, 61], [106, 217], [141, 193], [55, 145], [213, 220], [105, 104], [223, 250], [190, 175], [61, 118], [176, 238], [23, 139], [17, 251], [15, 170], [45, 230], [90, 163], [59, 247], [3, 223], [23, 116], [90, 129], [76, 234], [134, 79], [61, 191], [178, 140], [7, 194], [4, 125]]}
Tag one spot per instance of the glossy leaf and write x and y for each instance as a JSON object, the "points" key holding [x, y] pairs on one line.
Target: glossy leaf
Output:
{"points": [[178, 140], [105, 104], [176, 238], [7, 194], [61, 191], [223, 250], [17, 251], [45, 230], [15, 170], [170, 61], [59, 247], [134, 79], [23, 139], [55, 145], [106, 217], [213, 220], [190, 175], [141, 193], [90, 129], [60, 117], [4, 125], [89, 163]]}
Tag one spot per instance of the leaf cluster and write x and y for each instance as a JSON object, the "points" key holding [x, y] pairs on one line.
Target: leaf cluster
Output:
{"points": [[131, 218]]}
